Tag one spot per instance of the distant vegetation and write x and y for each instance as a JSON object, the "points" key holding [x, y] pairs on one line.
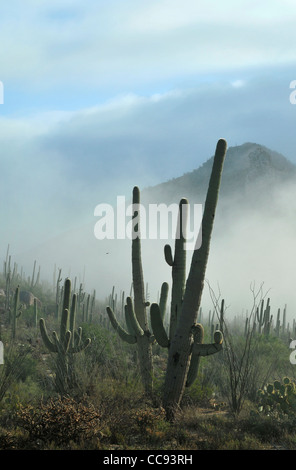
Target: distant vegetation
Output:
{"points": [[106, 394]]}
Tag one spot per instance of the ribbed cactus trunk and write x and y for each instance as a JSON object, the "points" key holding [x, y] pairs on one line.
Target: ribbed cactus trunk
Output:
{"points": [[144, 340], [178, 264], [181, 346]]}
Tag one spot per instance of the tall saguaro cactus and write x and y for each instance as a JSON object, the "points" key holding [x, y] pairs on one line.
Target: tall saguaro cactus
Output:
{"points": [[144, 339], [68, 342], [182, 345], [178, 264], [135, 310]]}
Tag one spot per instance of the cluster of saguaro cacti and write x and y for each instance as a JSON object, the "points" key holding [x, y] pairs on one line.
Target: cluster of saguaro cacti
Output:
{"points": [[88, 308], [11, 277], [264, 318], [67, 343], [266, 324], [185, 339]]}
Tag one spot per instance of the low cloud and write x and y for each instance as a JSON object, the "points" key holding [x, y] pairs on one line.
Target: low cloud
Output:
{"points": [[57, 167]]}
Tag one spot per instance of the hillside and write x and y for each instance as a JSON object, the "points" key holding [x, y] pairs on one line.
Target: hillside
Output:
{"points": [[248, 168], [253, 241]]}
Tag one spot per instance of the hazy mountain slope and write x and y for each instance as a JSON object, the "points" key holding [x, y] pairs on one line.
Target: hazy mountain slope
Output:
{"points": [[254, 237], [247, 167]]}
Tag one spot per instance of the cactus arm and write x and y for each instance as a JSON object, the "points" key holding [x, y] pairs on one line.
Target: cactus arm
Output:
{"points": [[48, 343], [76, 339], [206, 349], [78, 344], [67, 294], [199, 349], [163, 299], [129, 325], [137, 269], [198, 339], [128, 338], [64, 328], [168, 255], [178, 264], [132, 317], [157, 326], [81, 346], [62, 346], [73, 315]]}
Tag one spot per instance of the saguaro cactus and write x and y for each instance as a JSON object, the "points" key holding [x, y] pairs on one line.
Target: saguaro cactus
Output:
{"points": [[16, 311], [178, 264], [135, 310], [181, 347], [264, 318], [68, 342]]}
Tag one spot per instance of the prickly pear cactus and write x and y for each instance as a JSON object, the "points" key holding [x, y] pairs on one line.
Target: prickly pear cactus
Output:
{"points": [[278, 397]]}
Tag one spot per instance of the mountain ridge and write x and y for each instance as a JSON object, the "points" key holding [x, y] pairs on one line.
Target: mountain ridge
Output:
{"points": [[246, 166]]}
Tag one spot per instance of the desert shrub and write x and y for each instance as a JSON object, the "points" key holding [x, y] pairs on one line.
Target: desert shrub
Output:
{"points": [[17, 366], [244, 365], [200, 392], [59, 420], [267, 428], [108, 354]]}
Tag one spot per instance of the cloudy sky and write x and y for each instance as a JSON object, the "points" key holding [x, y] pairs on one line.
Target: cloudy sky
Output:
{"points": [[100, 96]]}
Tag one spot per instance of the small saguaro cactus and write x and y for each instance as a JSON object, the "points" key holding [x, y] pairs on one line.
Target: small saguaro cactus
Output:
{"points": [[68, 342], [35, 314], [16, 311]]}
